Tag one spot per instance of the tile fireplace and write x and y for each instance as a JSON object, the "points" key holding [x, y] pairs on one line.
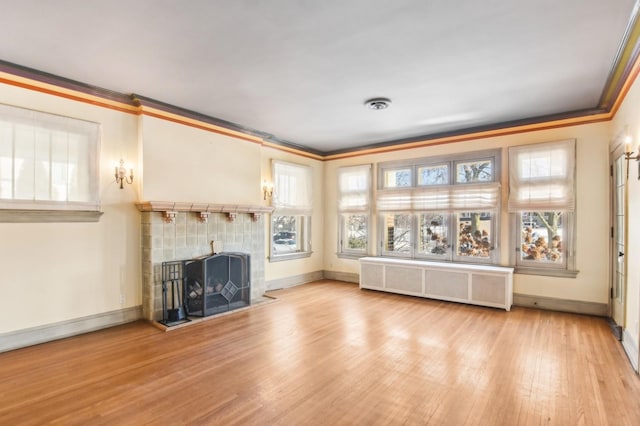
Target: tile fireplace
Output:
{"points": [[182, 231]]}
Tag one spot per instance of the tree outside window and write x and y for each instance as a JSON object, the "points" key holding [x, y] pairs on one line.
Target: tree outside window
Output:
{"points": [[441, 208], [541, 237]]}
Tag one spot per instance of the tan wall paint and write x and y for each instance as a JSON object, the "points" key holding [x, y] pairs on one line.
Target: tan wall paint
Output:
{"points": [[629, 115], [276, 270], [187, 164], [592, 211], [221, 169], [59, 271]]}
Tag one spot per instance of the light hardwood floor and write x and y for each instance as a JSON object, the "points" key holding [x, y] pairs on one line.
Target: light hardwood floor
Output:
{"points": [[328, 353]]}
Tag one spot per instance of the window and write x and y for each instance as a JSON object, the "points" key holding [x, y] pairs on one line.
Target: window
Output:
{"points": [[47, 162], [542, 202], [289, 234], [441, 208], [291, 218], [434, 239], [396, 177], [541, 239], [354, 188], [398, 233]]}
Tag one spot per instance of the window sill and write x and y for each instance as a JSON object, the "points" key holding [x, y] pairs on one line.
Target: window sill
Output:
{"points": [[289, 256], [354, 256], [548, 272], [48, 216]]}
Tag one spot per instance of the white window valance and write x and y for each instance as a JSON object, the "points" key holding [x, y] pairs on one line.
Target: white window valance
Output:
{"points": [[446, 198], [354, 188], [292, 193], [542, 177]]}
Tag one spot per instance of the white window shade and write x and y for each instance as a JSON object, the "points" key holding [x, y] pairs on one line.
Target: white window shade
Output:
{"points": [[292, 192], [47, 162], [541, 177], [449, 198], [354, 187]]}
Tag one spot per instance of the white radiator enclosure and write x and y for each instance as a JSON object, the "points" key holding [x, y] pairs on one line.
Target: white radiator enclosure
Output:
{"points": [[484, 285]]}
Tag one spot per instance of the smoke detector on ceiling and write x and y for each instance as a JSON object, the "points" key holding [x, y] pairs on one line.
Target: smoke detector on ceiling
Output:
{"points": [[378, 103]]}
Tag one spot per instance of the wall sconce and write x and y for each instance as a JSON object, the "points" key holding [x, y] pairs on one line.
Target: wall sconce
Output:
{"points": [[628, 153], [121, 175], [267, 189]]}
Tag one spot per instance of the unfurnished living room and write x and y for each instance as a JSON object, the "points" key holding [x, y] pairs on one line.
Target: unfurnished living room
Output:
{"points": [[320, 213]]}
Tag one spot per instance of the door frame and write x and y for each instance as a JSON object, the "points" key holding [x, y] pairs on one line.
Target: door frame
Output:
{"points": [[617, 150]]}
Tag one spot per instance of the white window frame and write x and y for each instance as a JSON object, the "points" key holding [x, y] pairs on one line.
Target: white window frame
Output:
{"points": [[410, 253], [22, 129], [454, 197], [292, 196], [555, 192], [354, 199], [303, 231]]}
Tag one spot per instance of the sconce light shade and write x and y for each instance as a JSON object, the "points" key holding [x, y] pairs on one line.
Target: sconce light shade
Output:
{"points": [[121, 175], [267, 189], [628, 152]]}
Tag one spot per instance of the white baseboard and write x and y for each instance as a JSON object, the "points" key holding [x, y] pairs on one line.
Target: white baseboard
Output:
{"points": [[46, 333], [631, 348]]}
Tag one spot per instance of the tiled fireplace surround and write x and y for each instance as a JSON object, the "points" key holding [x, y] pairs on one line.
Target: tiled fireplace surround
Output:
{"points": [[180, 231]]}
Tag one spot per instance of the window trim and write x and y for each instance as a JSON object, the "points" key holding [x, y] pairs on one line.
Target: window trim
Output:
{"points": [[342, 250], [299, 205], [494, 258], [306, 240], [348, 253], [382, 231], [49, 216], [42, 210], [493, 155], [435, 258], [568, 269]]}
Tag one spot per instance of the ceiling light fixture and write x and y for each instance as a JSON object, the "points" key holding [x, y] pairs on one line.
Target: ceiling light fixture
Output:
{"points": [[378, 103]]}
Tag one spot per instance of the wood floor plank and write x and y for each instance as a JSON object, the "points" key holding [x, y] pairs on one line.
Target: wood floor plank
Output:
{"points": [[328, 353]]}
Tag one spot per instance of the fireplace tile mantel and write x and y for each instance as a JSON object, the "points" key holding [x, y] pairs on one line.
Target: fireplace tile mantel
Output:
{"points": [[162, 206], [176, 231], [170, 208]]}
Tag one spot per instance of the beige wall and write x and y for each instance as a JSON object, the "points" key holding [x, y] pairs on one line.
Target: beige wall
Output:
{"points": [[83, 269], [592, 210], [289, 268], [53, 272], [187, 164], [629, 115]]}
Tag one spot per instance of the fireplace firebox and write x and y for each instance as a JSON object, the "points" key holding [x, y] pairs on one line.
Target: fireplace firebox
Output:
{"points": [[217, 283]]}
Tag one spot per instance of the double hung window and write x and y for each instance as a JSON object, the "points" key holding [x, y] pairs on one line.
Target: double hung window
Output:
{"points": [[354, 189], [542, 202], [291, 219]]}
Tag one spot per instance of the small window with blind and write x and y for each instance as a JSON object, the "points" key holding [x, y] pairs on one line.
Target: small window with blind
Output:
{"points": [[442, 208], [542, 204], [354, 192], [291, 218], [48, 162]]}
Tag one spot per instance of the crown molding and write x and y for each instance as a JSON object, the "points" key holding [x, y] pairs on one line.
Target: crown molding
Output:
{"points": [[622, 75], [623, 65], [29, 78]]}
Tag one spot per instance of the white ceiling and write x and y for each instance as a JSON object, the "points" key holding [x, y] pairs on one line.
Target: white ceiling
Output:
{"points": [[302, 70]]}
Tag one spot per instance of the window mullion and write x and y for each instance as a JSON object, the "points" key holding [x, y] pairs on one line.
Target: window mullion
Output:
{"points": [[14, 134]]}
